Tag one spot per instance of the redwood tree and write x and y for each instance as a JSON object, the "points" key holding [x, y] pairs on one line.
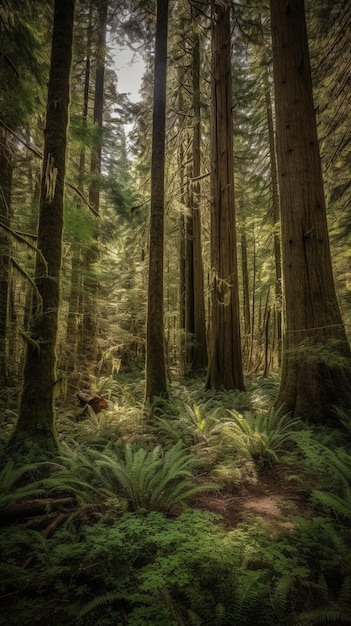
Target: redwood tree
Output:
{"points": [[88, 341], [36, 415], [316, 357], [225, 364], [196, 319], [155, 350]]}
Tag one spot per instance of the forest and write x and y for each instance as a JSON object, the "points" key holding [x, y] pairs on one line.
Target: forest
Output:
{"points": [[175, 320]]}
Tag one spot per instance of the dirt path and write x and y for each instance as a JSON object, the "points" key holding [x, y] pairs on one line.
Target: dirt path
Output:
{"points": [[272, 499]]}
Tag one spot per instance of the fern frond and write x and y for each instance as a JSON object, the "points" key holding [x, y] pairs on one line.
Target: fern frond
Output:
{"points": [[325, 615], [11, 478], [261, 436], [339, 505], [102, 600]]}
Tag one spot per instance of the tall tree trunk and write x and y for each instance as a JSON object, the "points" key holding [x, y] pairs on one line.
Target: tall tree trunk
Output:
{"points": [[246, 291], [225, 363], [316, 355], [276, 221], [75, 327], [6, 170], [198, 319], [182, 248], [89, 323], [183, 343], [155, 348], [36, 415]]}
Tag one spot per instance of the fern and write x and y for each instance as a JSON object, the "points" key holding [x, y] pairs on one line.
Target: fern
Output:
{"points": [[332, 470], [261, 437], [105, 599], [11, 478], [325, 615], [150, 479], [340, 506], [343, 417]]}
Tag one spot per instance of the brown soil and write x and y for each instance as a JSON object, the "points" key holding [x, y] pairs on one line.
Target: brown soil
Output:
{"points": [[273, 499]]}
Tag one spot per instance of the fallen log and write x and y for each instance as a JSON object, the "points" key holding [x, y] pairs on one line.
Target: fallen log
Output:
{"points": [[97, 403], [18, 510]]}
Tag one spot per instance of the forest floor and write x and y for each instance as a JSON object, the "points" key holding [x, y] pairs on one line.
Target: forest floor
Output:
{"points": [[269, 496], [266, 541], [272, 499]]}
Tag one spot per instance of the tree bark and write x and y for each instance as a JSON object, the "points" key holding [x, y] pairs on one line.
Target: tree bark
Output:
{"points": [[6, 171], [88, 346], [35, 425], [276, 221], [225, 364], [316, 354], [155, 349], [246, 291], [74, 332], [198, 330]]}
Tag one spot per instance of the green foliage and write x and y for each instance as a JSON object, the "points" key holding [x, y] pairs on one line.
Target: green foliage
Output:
{"points": [[344, 418], [330, 471], [327, 353], [261, 436], [332, 466], [23, 65], [18, 482], [193, 424], [145, 479], [233, 472], [80, 225], [153, 569], [122, 558], [149, 569], [152, 480]]}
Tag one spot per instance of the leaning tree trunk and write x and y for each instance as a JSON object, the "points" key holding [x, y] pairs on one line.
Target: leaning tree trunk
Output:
{"points": [[155, 349], [35, 423], [316, 355], [225, 363]]}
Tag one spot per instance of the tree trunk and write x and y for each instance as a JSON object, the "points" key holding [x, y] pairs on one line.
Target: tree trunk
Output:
{"points": [[35, 423], [6, 170], [246, 286], [182, 251], [199, 351], [74, 333], [316, 355], [155, 349], [276, 221], [89, 321], [225, 364]]}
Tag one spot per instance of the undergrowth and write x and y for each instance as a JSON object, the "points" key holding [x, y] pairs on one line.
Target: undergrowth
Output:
{"points": [[154, 570], [129, 549]]}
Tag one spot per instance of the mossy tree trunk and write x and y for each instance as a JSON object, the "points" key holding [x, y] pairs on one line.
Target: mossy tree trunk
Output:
{"points": [[36, 424], [316, 355], [225, 362], [156, 384], [6, 170]]}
